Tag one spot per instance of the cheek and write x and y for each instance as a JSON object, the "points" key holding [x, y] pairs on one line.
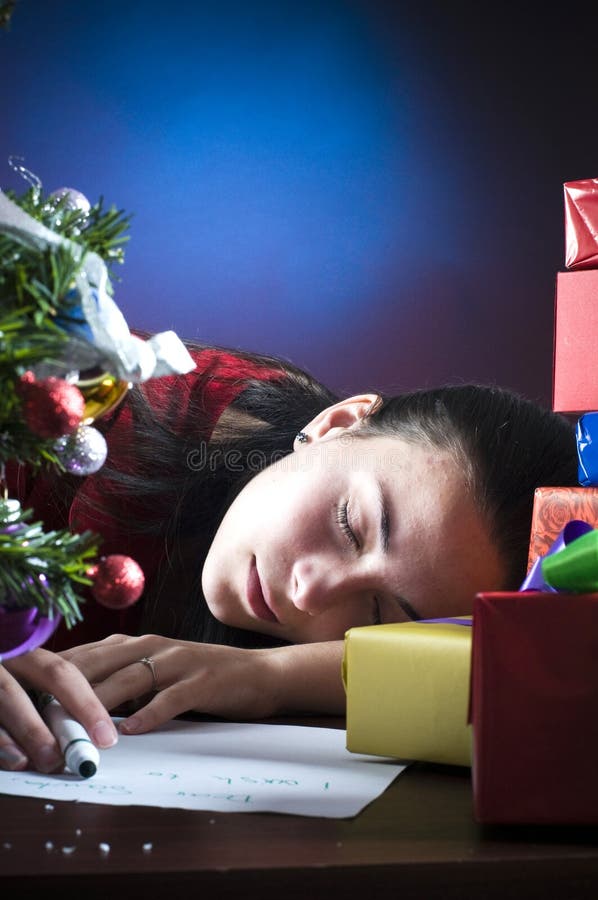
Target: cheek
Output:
{"points": [[291, 512]]}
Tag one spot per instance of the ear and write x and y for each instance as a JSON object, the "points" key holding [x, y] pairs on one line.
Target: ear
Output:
{"points": [[339, 417]]}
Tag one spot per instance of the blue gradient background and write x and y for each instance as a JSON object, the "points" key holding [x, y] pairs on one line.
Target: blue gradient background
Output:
{"points": [[371, 190]]}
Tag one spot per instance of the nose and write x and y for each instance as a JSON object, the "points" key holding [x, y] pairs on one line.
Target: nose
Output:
{"points": [[318, 585]]}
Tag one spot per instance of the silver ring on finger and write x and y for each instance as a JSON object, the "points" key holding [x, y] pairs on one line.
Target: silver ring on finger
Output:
{"points": [[149, 663]]}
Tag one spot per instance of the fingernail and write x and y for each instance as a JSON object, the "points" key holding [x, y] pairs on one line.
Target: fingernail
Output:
{"points": [[130, 726], [12, 759], [104, 734], [48, 759]]}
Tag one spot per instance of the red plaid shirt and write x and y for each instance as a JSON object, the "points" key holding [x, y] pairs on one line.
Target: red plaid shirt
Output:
{"points": [[174, 400]]}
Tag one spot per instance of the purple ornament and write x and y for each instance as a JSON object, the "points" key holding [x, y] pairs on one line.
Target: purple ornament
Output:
{"points": [[22, 630]]}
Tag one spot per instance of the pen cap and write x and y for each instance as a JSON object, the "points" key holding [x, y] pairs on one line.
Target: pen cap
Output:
{"points": [[82, 758]]}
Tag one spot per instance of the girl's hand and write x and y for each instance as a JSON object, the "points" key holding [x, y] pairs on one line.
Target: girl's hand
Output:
{"points": [[223, 681], [25, 740], [218, 680]]}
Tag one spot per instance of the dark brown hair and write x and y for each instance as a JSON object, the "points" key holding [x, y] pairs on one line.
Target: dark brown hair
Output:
{"points": [[506, 445]]}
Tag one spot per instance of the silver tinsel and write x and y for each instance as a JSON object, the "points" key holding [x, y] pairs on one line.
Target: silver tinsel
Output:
{"points": [[83, 452], [113, 348]]}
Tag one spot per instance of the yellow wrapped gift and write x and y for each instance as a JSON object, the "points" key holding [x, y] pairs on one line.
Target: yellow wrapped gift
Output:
{"points": [[407, 689]]}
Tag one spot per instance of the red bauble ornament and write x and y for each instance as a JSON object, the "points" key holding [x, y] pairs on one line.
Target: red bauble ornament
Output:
{"points": [[118, 581], [51, 407]]}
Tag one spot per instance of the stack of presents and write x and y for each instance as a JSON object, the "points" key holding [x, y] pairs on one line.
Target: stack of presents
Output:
{"points": [[512, 691]]}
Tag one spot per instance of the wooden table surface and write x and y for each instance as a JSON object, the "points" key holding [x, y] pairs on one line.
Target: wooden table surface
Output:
{"points": [[417, 840]]}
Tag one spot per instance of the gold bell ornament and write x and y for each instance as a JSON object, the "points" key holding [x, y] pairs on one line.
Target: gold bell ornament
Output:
{"points": [[102, 393]]}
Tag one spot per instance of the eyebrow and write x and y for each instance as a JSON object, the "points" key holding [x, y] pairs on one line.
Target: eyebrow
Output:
{"points": [[384, 541]]}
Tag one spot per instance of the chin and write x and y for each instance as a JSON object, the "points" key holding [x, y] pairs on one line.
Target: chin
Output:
{"points": [[214, 600]]}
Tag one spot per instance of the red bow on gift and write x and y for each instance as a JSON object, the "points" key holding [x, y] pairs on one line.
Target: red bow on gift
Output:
{"points": [[581, 224]]}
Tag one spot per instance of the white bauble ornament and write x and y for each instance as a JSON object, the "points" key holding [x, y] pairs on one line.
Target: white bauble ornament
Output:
{"points": [[74, 199], [83, 452]]}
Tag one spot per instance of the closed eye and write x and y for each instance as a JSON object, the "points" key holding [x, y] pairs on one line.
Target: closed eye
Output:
{"points": [[342, 518]]}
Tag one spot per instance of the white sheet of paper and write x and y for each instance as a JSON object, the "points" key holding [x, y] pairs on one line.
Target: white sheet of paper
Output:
{"points": [[224, 767]]}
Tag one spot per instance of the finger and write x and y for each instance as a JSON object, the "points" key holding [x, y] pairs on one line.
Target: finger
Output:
{"points": [[135, 682], [11, 756], [50, 673], [25, 734], [82, 650], [98, 661], [163, 707], [116, 669], [92, 659]]}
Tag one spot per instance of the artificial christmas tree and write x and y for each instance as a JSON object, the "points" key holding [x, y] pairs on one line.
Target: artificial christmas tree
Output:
{"points": [[67, 358]]}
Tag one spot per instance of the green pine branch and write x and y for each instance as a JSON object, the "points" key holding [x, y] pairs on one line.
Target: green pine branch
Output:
{"points": [[45, 569], [37, 294], [101, 230]]}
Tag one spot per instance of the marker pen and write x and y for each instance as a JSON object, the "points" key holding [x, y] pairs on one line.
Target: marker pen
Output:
{"points": [[80, 754]]}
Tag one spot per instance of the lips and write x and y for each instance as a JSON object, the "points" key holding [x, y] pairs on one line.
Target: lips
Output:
{"points": [[255, 596]]}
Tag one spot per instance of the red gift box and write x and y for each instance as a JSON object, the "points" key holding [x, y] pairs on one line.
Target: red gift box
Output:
{"points": [[534, 703], [575, 368], [553, 508]]}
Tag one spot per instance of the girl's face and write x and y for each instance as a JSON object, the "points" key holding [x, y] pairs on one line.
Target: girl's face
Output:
{"points": [[346, 532]]}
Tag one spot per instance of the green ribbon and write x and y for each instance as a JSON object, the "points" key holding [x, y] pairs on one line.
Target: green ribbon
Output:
{"points": [[575, 567]]}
